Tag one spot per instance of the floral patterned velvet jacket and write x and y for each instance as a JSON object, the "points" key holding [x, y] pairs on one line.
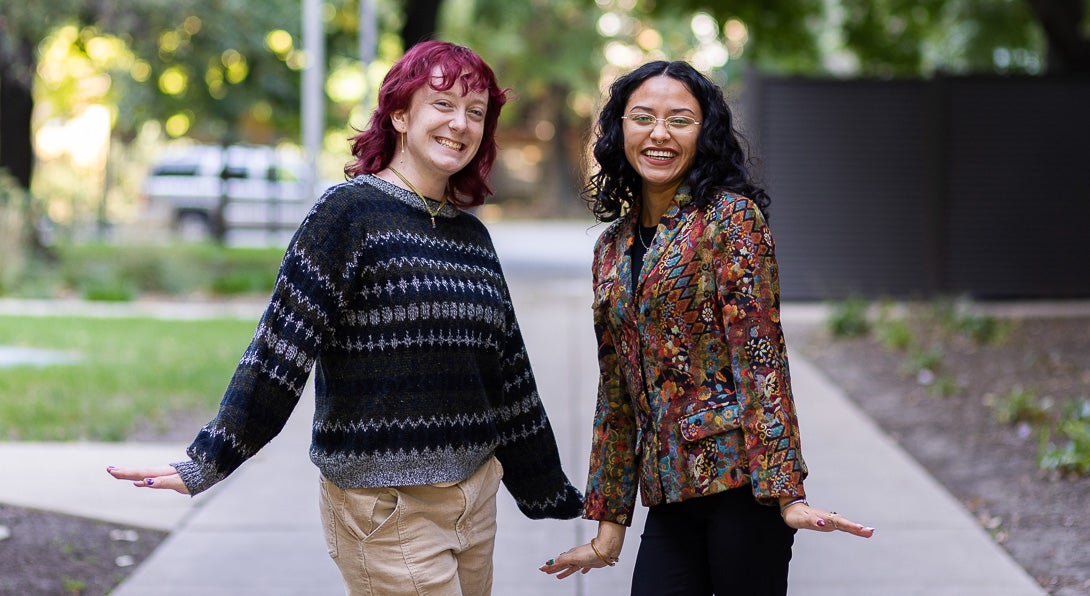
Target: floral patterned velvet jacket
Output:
{"points": [[694, 394]]}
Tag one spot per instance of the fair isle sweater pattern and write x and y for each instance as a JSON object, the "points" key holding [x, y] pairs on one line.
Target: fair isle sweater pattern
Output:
{"points": [[420, 370]]}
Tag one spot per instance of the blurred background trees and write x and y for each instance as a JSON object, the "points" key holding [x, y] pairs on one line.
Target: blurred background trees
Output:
{"points": [[89, 89]]}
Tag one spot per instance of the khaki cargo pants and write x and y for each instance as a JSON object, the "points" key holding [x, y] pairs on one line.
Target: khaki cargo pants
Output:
{"points": [[434, 539]]}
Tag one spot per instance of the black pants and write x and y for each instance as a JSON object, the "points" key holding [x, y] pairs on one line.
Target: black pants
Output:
{"points": [[723, 544]]}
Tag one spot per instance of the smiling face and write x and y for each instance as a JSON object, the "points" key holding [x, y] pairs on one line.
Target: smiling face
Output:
{"points": [[443, 130], [662, 156]]}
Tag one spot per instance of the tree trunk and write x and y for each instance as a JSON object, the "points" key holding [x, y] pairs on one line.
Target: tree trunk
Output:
{"points": [[558, 195], [1068, 50], [16, 106], [17, 67], [421, 17]]}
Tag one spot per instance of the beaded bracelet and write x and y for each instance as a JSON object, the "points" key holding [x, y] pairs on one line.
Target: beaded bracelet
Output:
{"points": [[604, 560], [784, 507]]}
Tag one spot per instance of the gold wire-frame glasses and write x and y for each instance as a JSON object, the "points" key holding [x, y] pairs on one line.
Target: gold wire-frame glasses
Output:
{"points": [[673, 123]]}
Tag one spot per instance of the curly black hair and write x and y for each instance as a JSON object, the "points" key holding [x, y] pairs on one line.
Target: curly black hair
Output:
{"points": [[721, 163]]}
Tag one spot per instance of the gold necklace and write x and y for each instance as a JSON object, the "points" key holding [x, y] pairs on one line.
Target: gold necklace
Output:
{"points": [[422, 199], [639, 233]]}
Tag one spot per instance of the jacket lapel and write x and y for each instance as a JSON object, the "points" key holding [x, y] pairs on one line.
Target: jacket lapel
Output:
{"points": [[671, 223]]}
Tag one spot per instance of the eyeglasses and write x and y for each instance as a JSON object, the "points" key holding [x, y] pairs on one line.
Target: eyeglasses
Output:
{"points": [[673, 123]]}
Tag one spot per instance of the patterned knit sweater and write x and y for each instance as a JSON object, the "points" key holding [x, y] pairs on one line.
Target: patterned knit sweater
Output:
{"points": [[421, 374]]}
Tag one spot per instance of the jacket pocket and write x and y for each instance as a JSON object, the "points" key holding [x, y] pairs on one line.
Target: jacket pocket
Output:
{"points": [[710, 422]]}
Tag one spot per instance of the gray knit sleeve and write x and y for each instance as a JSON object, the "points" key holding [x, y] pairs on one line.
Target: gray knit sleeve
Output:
{"points": [[274, 369], [528, 451]]}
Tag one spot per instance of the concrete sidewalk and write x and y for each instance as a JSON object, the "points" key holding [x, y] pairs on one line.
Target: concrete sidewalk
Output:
{"points": [[258, 532]]}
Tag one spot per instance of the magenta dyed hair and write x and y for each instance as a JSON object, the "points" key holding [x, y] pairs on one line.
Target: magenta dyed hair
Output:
{"points": [[375, 146]]}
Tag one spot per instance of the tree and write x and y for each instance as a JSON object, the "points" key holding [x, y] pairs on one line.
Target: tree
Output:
{"points": [[909, 37], [215, 70], [547, 51], [421, 18], [1066, 27], [20, 29], [210, 63]]}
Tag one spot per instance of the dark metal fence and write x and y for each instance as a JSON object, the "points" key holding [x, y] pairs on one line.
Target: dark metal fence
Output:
{"points": [[951, 186]]}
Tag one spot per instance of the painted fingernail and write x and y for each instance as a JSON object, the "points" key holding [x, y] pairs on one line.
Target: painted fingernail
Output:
{"points": [[821, 523], [149, 481], [111, 467], [549, 562]]}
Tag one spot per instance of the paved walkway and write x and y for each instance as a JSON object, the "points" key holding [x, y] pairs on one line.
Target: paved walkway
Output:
{"points": [[258, 532]]}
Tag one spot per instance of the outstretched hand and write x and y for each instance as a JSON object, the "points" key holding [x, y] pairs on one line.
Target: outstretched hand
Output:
{"points": [[580, 558], [802, 516], [161, 477]]}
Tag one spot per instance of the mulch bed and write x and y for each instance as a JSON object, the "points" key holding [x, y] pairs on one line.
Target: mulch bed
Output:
{"points": [[1041, 518], [49, 553]]}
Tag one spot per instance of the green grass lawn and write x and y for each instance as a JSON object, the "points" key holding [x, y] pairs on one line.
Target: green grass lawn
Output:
{"points": [[133, 373]]}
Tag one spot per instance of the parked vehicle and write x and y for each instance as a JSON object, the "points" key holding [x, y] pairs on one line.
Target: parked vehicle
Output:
{"points": [[205, 191]]}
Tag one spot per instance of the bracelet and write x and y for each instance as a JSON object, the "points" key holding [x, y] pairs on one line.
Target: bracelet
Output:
{"points": [[604, 560], [783, 508]]}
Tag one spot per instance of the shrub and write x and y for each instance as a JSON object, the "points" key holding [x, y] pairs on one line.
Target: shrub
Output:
{"points": [[956, 319], [944, 385], [108, 290], [113, 272], [848, 318], [1022, 405], [1072, 456], [982, 329], [894, 334], [921, 360]]}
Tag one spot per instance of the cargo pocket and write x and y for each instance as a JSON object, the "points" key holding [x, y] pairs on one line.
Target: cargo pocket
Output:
{"points": [[384, 505], [329, 507]]}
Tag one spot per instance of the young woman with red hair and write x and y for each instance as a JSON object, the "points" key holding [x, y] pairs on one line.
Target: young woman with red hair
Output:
{"points": [[425, 398]]}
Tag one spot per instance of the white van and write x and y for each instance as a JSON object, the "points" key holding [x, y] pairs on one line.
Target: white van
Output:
{"points": [[205, 191]]}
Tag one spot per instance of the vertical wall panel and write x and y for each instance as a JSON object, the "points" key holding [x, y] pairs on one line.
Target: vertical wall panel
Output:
{"points": [[843, 165], [969, 186], [1019, 188]]}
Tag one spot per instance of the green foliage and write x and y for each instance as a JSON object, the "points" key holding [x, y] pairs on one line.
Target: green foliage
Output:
{"points": [[926, 367], [230, 78], [884, 38], [784, 34], [545, 51], [112, 272], [924, 359], [894, 334], [108, 290], [848, 318], [979, 328], [1022, 405], [982, 329], [943, 385], [913, 37], [73, 586], [242, 282], [132, 373], [1072, 455]]}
